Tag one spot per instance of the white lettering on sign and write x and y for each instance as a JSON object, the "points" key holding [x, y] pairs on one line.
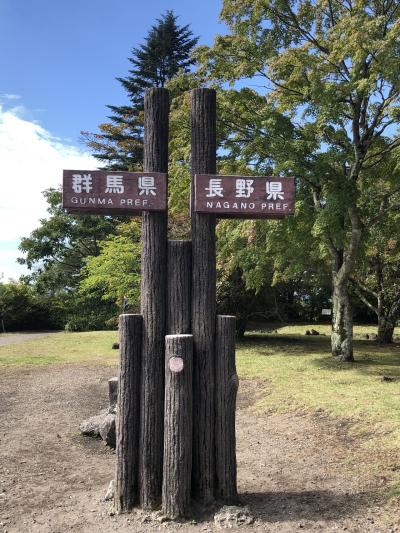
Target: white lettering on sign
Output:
{"points": [[244, 188], [229, 205], [133, 202], [146, 185], [214, 188], [81, 183], [115, 184], [91, 201], [274, 190]]}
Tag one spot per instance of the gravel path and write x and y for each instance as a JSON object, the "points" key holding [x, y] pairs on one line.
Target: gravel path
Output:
{"points": [[296, 471], [15, 338]]}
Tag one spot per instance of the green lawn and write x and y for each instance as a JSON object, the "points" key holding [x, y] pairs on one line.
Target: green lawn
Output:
{"points": [[92, 346], [300, 374], [295, 371]]}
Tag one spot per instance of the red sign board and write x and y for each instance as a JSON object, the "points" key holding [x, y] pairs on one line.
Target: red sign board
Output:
{"points": [[113, 193], [244, 196]]}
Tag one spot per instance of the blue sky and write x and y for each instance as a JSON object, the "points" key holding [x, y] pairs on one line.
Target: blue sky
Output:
{"points": [[58, 63]]}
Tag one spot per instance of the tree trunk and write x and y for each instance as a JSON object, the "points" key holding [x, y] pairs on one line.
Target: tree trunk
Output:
{"points": [[227, 384], [153, 303], [342, 323], [178, 426], [179, 285], [385, 330], [128, 411], [203, 130], [241, 325]]}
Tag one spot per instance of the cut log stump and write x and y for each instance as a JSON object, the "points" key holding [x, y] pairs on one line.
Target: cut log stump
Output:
{"points": [[178, 426], [128, 412]]}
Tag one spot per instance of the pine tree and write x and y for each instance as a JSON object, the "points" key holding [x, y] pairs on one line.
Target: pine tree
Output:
{"points": [[165, 52]]}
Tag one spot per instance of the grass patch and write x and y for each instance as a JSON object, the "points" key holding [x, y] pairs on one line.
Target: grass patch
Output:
{"points": [[94, 346], [301, 374]]}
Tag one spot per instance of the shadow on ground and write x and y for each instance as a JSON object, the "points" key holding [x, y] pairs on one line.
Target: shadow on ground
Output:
{"points": [[273, 507], [369, 356]]}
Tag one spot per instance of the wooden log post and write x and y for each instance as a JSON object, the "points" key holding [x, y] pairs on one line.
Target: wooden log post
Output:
{"points": [[178, 426], [153, 304], [225, 409], [128, 412], [113, 392], [179, 283], [203, 131]]}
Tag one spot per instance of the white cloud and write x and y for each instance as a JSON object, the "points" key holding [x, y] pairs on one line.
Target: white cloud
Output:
{"points": [[31, 160], [8, 96]]}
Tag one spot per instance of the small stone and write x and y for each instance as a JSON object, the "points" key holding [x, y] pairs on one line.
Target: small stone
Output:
{"points": [[115, 346], [91, 426], [231, 516]]}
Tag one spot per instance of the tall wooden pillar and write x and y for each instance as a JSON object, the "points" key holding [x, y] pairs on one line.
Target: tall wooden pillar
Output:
{"points": [[153, 304], [203, 129]]}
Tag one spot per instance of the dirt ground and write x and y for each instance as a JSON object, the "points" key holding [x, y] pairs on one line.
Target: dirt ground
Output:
{"points": [[294, 471]]}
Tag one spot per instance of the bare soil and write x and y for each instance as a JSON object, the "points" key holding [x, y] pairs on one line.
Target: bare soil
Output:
{"points": [[296, 471]]}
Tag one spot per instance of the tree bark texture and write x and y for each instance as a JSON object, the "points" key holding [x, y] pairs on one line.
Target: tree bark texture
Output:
{"points": [[153, 304], [203, 131], [227, 384], [128, 412], [385, 330], [342, 323], [179, 283], [178, 426]]}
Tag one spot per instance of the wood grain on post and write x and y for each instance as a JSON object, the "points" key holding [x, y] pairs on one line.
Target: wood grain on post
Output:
{"points": [[203, 131], [128, 412], [178, 426], [225, 409], [179, 283], [153, 304]]}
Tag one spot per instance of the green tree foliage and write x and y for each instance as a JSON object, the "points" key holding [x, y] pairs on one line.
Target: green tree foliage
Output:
{"points": [[22, 308], [331, 70], [376, 278], [165, 52], [114, 274], [57, 249]]}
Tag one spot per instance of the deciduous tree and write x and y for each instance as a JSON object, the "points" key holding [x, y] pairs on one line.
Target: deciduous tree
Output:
{"points": [[332, 69]]}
